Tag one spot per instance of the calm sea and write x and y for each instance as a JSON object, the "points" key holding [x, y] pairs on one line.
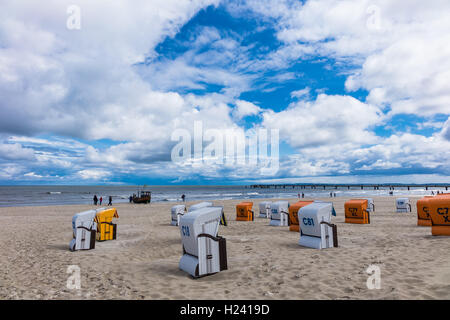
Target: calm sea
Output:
{"points": [[59, 195]]}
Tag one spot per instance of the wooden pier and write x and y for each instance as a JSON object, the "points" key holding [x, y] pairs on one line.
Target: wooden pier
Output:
{"points": [[349, 186]]}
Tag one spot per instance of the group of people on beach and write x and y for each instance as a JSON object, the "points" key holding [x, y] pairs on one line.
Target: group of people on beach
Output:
{"points": [[97, 200]]}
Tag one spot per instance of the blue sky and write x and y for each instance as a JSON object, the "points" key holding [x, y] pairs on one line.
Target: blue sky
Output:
{"points": [[359, 91]]}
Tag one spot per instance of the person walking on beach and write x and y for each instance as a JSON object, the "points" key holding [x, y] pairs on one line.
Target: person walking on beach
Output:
{"points": [[101, 199], [131, 198], [303, 195], [110, 201], [95, 199], [183, 197]]}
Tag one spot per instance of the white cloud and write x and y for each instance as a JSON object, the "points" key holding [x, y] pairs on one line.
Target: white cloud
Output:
{"points": [[326, 121], [93, 174], [15, 151], [244, 109]]}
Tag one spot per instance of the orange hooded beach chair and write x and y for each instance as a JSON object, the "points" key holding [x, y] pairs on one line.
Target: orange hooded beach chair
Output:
{"points": [[293, 215], [244, 211], [439, 209], [423, 212], [356, 211]]}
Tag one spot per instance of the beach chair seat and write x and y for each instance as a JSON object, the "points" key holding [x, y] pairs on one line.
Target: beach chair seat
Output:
{"points": [[244, 211], [176, 212], [403, 205], [316, 229], [204, 252], [293, 214], [264, 209], [279, 215], [423, 212], [439, 209], [106, 229], [84, 231], [356, 211]]}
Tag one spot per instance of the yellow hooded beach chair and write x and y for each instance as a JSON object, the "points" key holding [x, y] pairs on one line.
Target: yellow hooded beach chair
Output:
{"points": [[106, 230]]}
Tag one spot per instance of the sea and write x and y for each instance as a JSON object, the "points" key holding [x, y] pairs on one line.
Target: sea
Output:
{"points": [[11, 196]]}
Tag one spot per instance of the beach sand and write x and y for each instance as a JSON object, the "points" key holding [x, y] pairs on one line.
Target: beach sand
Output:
{"points": [[264, 262]]}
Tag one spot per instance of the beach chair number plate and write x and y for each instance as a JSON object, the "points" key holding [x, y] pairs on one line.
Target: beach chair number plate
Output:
{"points": [[185, 231]]}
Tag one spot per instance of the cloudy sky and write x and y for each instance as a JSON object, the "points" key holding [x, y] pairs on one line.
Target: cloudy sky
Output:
{"points": [[359, 90]]}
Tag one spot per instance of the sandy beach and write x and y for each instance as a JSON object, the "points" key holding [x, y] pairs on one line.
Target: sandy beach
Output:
{"points": [[264, 262]]}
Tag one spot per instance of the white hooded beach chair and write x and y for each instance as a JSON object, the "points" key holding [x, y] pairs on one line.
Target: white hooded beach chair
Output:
{"points": [[264, 209], [370, 205], [176, 212], [316, 230], [84, 230], [279, 213], [204, 252], [403, 205], [200, 205]]}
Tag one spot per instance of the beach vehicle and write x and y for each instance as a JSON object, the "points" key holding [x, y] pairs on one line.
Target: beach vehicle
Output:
{"points": [[439, 209], [84, 229], [200, 205], [423, 212], [356, 211], [204, 252], [293, 214], [264, 209], [279, 212], [403, 205], [142, 197], [244, 211], [316, 229], [176, 212], [106, 230]]}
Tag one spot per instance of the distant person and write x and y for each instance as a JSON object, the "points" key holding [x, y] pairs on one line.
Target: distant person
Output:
{"points": [[131, 199], [331, 194], [110, 201], [183, 197], [334, 194], [432, 193], [95, 199], [303, 195], [101, 199]]}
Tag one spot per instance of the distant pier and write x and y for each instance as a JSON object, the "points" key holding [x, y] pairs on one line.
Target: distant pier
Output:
{"points": [[348, 186]]}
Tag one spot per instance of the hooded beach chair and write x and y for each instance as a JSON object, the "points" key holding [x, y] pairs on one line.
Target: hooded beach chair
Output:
{"points": [[356, 211], [84, 230], [293, 214], [244, 211], [403, 205], [316, 229], [370, 205], [423, 212], [264, 209], [200, 205], [279, 213], [204, 252], [439, 209], [176, 212], [106, 230]]}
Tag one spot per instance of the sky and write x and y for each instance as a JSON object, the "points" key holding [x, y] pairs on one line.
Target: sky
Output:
{"points": [[95, 92]]}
